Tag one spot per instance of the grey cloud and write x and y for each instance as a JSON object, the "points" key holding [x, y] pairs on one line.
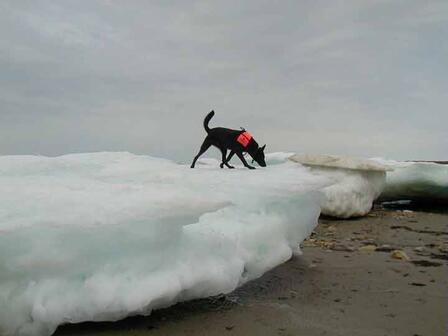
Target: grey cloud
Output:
{"points": [[343, 77]]}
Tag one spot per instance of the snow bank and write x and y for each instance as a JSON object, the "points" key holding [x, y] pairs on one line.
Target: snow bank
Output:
{"points": [[334, 161], [355, 183], [277, 158], [94, 237], [419, 181]]}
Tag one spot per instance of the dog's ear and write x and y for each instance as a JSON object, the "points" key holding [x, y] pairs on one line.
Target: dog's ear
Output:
{"points": [[262, 148]]}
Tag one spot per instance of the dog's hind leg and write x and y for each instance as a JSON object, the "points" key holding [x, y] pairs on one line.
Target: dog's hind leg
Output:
{"points": [[226, 162], [205, 145], [224, 157], [243, 160]]}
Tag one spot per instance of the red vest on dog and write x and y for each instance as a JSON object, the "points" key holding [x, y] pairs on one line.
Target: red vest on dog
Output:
{"points": [[244, 138]]}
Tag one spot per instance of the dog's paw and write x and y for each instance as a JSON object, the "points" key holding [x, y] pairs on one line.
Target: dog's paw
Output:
{"points": [[250, 167], [231, 167], [221, 165]]}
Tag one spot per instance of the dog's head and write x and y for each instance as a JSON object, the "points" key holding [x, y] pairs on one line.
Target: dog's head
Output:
{"points": [[259, 156]]}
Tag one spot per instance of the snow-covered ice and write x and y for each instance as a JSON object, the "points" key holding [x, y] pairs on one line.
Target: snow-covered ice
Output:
{"points": [[355, 182], [101, 236], [421, 181], [335, 161], [90, 237]]}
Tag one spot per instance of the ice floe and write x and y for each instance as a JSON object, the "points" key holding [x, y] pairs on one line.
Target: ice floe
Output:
{"points": [[417, 181], [355, 183], [101, 236], [98, 237]]}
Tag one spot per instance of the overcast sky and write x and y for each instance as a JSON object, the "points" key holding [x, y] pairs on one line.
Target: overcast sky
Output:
{"points": [[366, 78]]}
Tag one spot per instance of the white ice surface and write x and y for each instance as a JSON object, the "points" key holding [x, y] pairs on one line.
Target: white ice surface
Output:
{"points": [[421, 181], [355, 183], [352, 193], [92, 237], [335, 161]]}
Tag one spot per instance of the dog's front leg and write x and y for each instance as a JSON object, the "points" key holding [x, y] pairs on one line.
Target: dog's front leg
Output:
{"points": [[243, 160]]}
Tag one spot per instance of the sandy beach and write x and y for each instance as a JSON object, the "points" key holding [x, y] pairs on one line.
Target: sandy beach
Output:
{"points": [[384, 274]]}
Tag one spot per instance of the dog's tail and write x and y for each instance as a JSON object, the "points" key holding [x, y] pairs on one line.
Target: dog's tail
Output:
{"points": [[207, 120]]}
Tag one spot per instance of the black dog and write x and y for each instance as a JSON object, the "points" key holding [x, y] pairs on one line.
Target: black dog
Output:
{"points": [[237, 141]]}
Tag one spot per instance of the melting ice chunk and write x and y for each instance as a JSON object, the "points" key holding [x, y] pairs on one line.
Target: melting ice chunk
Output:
{"points": [[91, 237]]}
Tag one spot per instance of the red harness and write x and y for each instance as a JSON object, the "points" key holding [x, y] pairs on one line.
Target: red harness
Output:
{"points": [[244, 138]]}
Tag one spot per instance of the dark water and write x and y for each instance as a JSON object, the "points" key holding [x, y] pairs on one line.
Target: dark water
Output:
{"points": [[440, 207]]}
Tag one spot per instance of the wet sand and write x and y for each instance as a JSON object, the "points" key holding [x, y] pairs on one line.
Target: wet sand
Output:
{"points": [[384, 274]]}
